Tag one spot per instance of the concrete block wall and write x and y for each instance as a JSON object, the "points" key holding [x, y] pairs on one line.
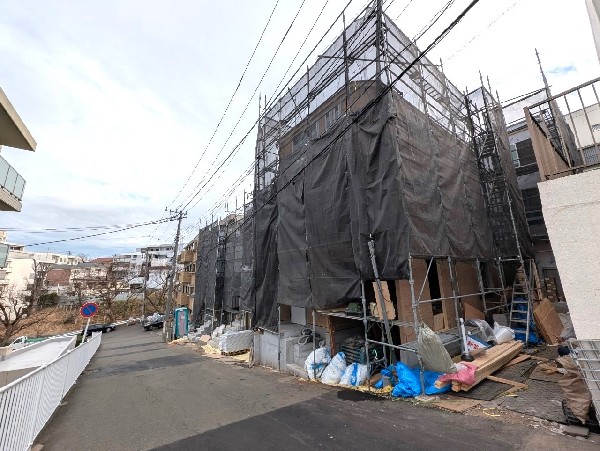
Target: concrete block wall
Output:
{"points": [[571, 208]]}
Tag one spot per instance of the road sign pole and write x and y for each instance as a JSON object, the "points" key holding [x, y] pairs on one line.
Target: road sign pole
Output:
{"points": [[86, 329]]}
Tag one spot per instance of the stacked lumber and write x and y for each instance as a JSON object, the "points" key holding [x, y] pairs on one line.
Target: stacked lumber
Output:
{"points": [[491, 361]]}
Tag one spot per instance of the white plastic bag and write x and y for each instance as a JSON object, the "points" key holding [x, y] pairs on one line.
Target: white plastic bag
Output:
{"points": [[503, 334], [316, 362], [355, 375], [335, 370]]}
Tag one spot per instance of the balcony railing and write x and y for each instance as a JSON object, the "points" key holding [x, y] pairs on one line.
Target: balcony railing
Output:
{"points": [[565, 131], [10, 180], [186, 277], [185, 257]]}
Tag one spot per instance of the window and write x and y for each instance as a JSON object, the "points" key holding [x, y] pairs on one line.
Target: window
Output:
{"points": [[333, 115], [525, 152], [302, 138]]}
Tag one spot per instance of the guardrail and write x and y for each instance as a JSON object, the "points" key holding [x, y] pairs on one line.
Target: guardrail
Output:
{"points": [[27, 404]]}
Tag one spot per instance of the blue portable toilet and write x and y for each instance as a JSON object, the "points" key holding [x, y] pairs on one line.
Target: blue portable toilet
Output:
{"points": [[181, 317]]}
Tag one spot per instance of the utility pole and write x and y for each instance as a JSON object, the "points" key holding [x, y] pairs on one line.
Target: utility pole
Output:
{"points": [[167, 318], [146, 275]]}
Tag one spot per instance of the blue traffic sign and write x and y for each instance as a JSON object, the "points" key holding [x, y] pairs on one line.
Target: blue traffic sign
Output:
{"points": [[88, 309]]}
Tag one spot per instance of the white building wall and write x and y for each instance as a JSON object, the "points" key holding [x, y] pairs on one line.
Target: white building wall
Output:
{"points": [[593, 7], [571, 207]]}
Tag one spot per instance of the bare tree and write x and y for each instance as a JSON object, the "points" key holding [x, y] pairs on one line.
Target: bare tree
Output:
{"points": [[16, 308], [38, 288]]}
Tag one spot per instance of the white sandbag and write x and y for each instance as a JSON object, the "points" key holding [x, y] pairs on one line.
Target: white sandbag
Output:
{"points": [[354, 375], [434, 354], [316, 362], [335, 370], [503, 334]]}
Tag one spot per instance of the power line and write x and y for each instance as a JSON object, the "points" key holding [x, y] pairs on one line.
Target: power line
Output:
{"points": [[276, 94], [230, 101], [134, 226], [201, 185], [464, 46], [415, 39], [183, 207], [369, 105]]}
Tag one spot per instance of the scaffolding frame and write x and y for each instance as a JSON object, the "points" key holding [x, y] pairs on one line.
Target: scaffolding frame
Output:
{"points": [[372, 49]]}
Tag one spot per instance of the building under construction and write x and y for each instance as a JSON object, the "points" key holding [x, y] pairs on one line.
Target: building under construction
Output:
{"points": [[378, 183]]}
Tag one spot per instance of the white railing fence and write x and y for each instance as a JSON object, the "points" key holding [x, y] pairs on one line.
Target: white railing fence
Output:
{"points": [[27, 404]]}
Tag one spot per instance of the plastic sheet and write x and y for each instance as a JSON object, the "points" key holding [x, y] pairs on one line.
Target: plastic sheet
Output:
{"points": [[335, 370], [316, 362], [355, 375], [409, 382]]}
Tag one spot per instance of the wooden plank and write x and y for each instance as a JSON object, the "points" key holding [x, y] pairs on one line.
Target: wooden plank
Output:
{"points": [[517, 359], [548, 322], [492, 360], [507, 382], [438, 322], [389, 305], [466, 275], [419, 276], [407, 334], [472, 313], [448, 309]]}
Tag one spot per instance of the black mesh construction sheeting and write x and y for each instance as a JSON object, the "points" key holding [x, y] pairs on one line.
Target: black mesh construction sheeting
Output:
{"points": [[205, 268], [390, 174], [233, 263], [260, 281], [247, 268]]}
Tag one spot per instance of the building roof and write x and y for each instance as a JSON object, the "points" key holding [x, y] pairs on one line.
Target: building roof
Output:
{"points": [[13, 132], [102, 260]]}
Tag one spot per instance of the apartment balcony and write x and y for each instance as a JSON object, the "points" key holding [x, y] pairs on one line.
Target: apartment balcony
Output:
{"points": [[186, 277], [182, 299], [186, 257], [12, 186]]}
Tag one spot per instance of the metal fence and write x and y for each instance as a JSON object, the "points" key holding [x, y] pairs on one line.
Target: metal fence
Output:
{"points": [[27, 404]]}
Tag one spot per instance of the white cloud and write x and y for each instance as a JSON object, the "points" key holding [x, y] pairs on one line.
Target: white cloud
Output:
{"points": [[122, 97]]}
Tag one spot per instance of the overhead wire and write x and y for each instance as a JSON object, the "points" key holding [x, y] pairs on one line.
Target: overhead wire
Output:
{"points": [[229, 102], [415, 39], [181, 205], [64, 240], [464, 46], [369, 105]]}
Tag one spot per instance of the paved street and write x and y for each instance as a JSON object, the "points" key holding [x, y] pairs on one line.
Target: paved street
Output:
{"points": [[139, 393]]}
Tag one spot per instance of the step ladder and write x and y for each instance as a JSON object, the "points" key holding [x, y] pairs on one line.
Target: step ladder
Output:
{"points": [[526, 290]]}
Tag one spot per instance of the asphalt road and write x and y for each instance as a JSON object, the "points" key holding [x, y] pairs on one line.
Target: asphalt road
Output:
{"points": [[139, 393]]}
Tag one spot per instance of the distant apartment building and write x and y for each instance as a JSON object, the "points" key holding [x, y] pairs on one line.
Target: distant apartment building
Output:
{"points": [[19, 272]]}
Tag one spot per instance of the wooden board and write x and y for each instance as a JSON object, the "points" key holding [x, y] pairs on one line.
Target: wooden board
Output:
{"points": [[491, 361], [466, 275], [419, 276], [405, 313], [389, 305], [548, 322], [517, 359], [507, 382], [448, 309], [472, 312], [438, 322]]}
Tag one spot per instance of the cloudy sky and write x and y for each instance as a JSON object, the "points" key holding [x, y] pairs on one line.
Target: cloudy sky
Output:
{"points": [[123, 97]]}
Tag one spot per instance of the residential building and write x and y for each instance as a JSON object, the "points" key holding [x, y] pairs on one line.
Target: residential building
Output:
{"points": [[159, 255], [566, 150], [13, 133], [186, 277]]}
